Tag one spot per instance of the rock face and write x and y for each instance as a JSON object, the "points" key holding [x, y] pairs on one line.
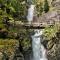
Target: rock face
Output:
{"points": [[47, 19], [55, 3], [28, 55], [54, 50], [50, 17]]}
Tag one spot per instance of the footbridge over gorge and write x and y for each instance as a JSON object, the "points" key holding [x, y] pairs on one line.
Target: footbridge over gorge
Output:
{"points": [[47, 19]]}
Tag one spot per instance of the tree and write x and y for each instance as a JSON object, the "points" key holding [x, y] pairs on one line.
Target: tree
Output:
{"points": [[39, 8], [46, 6]]}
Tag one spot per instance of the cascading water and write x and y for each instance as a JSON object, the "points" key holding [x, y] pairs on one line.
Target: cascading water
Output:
{"points": [[30, 13], [39, 52]]}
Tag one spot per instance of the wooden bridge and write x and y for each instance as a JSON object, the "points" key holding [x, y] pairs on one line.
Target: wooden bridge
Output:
{"points": [[46, 20]]}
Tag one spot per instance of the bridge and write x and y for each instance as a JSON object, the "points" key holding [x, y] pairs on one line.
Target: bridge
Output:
{"points": [[46, 20]]}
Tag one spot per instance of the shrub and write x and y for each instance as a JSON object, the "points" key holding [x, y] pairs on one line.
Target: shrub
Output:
{"points": [[46, 6]]}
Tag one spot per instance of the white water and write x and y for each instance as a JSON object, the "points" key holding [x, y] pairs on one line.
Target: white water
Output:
{"points": [[39, 52], [30, 13]]}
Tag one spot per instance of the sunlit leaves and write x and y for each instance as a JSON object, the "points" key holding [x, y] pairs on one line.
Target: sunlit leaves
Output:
{"points": [[51, 32]]}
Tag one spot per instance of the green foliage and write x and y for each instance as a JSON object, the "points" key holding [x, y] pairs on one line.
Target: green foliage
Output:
{"points": [[8, 42], [1, 20], [46, 6], [8, 46], [15, 8], [26, 44], [51, 32], [39, 8], [15, 4], [19, 8]]}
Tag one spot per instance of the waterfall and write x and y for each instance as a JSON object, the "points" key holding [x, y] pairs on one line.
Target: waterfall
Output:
{"points": [[39, 52], [30, 13]]}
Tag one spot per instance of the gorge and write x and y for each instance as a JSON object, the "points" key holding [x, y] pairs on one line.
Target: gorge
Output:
{"points": [[27, 32]]}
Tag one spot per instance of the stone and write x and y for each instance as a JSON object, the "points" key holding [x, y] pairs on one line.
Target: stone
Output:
{"points": [[1, 55]]}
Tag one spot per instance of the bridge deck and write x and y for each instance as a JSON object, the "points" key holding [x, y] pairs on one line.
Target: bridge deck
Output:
{"points": [[30, 26]]}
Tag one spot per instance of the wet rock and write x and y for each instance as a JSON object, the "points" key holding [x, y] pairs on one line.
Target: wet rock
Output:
{"points": [[53, 50], [28, 55]]}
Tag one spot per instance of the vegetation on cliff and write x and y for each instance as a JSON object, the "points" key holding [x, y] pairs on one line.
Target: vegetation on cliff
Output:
{"points": [[12, 37]]}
